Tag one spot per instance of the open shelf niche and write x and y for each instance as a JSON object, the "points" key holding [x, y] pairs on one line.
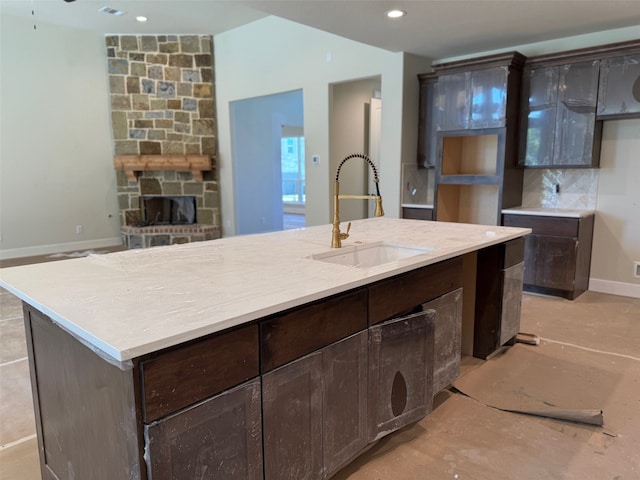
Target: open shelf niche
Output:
{"points": [[469, 176]]}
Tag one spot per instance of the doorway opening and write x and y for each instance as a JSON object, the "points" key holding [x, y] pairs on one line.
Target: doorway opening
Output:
{"points": [[262, 130], [293, 177]]}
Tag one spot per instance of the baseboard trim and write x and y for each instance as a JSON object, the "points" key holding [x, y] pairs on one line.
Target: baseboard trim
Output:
{"points": [[59, 247], [614, 288]]}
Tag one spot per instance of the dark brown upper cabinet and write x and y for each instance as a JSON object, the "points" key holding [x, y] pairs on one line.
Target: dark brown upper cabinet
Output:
{"points": [[565, 97], [429, 120], [472, 94], [619, 89], [471, 100], [559, 127]]}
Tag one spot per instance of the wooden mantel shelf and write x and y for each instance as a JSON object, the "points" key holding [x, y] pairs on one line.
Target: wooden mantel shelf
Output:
{"points": [[134, 164]]}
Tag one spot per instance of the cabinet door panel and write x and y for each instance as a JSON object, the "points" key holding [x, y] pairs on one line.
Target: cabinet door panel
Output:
{"points": [[292, 411], [542, 85], [489, 97], [429, 122], [454, 100], [576, 114], [511, 302], [219, 438], [400, 372], [541, 132], [555, 261], [619, 87], [344, 367], [530, 259], [448, 337]]}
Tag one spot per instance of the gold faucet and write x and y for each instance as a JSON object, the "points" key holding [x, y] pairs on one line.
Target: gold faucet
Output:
{"points": [[336, 235]]}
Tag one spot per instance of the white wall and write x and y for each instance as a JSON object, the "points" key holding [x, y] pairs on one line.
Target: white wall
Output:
{"points": [[616, 238], [273, 55], [349, 125], [56, 167]]}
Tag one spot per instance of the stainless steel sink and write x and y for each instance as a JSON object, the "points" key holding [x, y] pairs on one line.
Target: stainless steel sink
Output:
{"points": [[368, 255]]}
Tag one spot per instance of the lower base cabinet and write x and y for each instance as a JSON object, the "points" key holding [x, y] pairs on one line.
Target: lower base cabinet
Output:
{"points": [[447, 338], [400, 372], [292, 406], [219, 438], [344, 401], [315, 411], [512, 279], [499, 277], [557, 253]]}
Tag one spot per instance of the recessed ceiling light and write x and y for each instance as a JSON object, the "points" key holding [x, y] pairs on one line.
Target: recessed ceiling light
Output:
{"points": [[395, 13], [141, 18]]}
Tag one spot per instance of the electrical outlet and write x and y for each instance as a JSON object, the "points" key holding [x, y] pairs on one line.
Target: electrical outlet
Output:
{"points": [[636, 269], [78, 229]]}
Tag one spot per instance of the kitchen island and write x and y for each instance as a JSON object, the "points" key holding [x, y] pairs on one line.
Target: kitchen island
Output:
{"points": [[259, 356]]}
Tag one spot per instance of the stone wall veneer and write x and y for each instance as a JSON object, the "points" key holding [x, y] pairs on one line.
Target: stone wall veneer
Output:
{"points": [[162, 103], [161, 91]]}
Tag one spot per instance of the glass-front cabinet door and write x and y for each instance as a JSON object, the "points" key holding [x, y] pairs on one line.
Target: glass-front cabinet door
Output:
{"points": [[472, 100], [542, 85], [454, 100], [560, 124], [489, 97], [576, 114], [619, 88]]}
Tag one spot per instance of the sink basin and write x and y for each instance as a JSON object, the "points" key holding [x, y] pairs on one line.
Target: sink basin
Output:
{"points": [[368, 255]]}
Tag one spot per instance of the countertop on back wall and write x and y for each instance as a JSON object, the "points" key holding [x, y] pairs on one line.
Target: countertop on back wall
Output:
{"points": [[127, 304], [548, 212]]}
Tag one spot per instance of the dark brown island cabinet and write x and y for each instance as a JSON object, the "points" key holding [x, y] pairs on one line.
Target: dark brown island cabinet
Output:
{"points": [[557, 253], [296, 395]]}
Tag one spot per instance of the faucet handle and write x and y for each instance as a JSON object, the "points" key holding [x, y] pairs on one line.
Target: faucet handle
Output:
{"points": [[345, 235]]}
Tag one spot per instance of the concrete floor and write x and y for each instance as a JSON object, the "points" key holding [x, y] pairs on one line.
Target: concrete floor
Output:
{"points": [[597, 335]]}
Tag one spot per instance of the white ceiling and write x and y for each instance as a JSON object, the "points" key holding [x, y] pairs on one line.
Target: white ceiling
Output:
{"points": [[432, 28]]}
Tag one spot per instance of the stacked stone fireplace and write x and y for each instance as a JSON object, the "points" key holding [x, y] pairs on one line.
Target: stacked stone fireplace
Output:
{"points": [[142, 229], [163, 123]]}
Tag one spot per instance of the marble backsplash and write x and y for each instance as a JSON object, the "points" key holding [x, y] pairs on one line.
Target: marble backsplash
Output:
{"points": [[578, 188], [417, 185]]}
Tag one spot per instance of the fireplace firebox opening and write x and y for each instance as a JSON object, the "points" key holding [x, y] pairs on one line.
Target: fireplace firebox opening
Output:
{"points": [[168, 210]]}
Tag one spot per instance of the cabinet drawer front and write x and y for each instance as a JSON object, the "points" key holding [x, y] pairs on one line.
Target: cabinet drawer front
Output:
{"points": [[541, 225], [513, 252], [299, 332], [417, 213], [202, 369], [402, 294]]}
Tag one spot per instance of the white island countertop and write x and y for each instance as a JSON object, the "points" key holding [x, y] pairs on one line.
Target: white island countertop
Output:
{"points": [[128, 304]]}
